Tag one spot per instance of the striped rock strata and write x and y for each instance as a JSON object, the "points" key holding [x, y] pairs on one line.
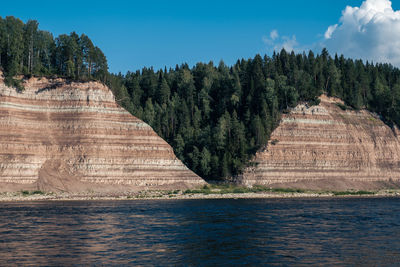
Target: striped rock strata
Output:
{"points": [[328, 146], [73, 136]]}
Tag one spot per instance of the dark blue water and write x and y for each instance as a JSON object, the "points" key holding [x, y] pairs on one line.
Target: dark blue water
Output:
{"points": [[355, 232]]}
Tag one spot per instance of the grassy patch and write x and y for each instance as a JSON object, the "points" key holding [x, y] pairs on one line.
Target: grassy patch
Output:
{"points": [[31, 193], [173, 193], [236, 189], [353, 193], [228, 188], [287, 190], [342, 106]]}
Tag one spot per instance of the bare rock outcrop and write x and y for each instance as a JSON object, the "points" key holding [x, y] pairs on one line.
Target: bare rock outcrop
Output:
{"points": [[69, 136], [326, 147]]}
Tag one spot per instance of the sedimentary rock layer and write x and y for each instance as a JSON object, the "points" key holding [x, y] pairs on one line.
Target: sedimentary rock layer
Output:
{"points": [[55, 133], [327, 143]]}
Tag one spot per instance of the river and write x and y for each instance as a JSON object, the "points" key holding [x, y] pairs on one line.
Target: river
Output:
{"points": [[229, 232]]}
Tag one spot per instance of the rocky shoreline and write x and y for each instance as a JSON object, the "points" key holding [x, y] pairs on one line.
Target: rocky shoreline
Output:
{"points": [[163, 195]]}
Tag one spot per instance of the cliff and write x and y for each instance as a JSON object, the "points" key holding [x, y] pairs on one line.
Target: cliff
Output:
{"points": [[326, 147], [69, 136]]}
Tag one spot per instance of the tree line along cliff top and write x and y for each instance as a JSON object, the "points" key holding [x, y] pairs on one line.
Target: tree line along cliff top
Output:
{"points": [[27, 50], [215, 116]]}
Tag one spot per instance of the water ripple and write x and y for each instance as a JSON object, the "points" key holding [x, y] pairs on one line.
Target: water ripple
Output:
{"points": [[341, 232]]}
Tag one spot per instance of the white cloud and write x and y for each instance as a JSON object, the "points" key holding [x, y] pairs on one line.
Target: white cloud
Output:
{"points": [[329, 31], [369, 32], [274, 34], [277, 42], [290, 44]]}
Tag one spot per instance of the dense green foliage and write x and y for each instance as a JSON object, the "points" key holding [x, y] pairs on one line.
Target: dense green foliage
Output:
{"points": [[26, 50], [217, 117]]}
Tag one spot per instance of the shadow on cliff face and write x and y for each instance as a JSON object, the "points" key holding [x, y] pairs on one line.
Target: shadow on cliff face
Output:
{"points": [[56, 176], [52, 86]]}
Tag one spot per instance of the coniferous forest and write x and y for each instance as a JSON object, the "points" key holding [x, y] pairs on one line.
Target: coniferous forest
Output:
{"points": [[215, 116], [27, 50]]}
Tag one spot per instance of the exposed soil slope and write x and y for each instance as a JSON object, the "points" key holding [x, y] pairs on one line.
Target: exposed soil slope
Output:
{"points": [[60, 136], [326, 147]]}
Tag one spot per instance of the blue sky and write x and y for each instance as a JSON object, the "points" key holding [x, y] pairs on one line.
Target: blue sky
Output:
{"points": [[134, 34]]}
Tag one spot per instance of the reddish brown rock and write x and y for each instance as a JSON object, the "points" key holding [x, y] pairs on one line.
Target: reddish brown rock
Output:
{"points": [[74, 137], [325, 147]]}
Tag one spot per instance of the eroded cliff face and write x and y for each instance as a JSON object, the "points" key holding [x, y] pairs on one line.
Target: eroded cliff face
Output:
{"points": [[325, 147], [60, 136]]}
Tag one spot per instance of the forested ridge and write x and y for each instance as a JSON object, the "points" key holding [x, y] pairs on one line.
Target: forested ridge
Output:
{"points": [[215, 116], [27, 50]]}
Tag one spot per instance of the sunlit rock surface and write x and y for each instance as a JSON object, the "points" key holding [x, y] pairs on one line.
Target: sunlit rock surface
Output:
{"points": [[326, 147], [62, 136]]}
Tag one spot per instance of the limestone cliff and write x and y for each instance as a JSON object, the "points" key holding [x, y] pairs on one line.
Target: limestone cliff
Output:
{"points": [[326, 147], [61, 136]]}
